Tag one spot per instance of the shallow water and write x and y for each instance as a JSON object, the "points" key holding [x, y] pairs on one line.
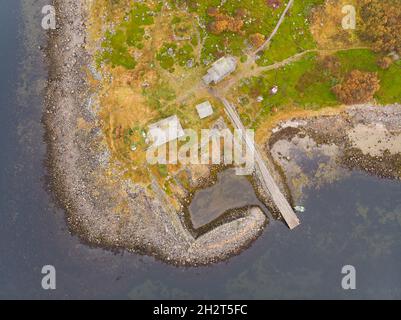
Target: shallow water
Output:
{"points": [[354, 221], [230, 191]]}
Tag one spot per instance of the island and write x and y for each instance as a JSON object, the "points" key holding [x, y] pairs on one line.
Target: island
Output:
{"points": [[133, 83]]}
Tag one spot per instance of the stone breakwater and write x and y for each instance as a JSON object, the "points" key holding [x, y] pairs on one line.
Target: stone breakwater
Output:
{"points": [[103, 208]]}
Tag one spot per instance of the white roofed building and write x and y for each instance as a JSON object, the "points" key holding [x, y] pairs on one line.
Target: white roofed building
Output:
{"points": [[220, 69], [166, 130], [204, 109]]}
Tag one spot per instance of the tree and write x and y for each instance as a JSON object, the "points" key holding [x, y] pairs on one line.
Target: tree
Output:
{"points": [[257, 39], [218, 27], [223, 22], [235, 25], [382, 24], [358, 87]]}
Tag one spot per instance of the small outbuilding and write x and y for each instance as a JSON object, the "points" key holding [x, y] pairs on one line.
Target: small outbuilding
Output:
{"points": [[220, 69], [204, 109], [166, 130]]}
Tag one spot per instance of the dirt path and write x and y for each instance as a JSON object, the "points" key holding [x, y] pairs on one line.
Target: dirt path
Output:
{"points": [[280, 21], [251, 59], [251, 69]]}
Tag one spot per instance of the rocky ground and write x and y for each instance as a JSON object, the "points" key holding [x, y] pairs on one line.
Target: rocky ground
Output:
{"points": [[320, 150]]}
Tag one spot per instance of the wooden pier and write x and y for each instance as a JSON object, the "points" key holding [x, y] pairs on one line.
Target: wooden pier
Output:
{"points": [[267, 179]]}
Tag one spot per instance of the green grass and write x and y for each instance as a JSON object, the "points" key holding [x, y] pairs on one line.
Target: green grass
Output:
{"points": [[390, 82], [181, 54], [165, 59], [366, 60], [293, 36], [163, 171], [263, 20], [159, 98], [301, 83], [129, 34], [361, 59], [308, 85]]}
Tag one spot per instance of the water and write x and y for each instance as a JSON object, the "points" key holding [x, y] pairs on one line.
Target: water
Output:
{"points": [[354, 221], [230, 191]]}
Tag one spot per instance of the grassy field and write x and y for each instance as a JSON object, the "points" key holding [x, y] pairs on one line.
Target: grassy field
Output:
{"points": [[390, 91], [260, 18], [307, 84], [155, 53], [366, 60], [118, 44], [293, 36], [293, 89], [171, 54]]}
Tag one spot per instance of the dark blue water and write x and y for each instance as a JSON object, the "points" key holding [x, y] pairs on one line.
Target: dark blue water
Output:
{"points": [[356, 221]]}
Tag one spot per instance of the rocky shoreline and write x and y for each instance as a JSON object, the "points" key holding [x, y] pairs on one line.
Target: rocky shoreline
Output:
{"points": [[91, 192], [108, 211], [317, 150]]}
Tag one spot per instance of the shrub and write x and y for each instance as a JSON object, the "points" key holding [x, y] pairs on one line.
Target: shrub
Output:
{"points": [[358, 87]]}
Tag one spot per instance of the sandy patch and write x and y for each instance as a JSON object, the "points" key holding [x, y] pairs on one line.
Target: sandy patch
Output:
{"points": [[375, 139]]}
